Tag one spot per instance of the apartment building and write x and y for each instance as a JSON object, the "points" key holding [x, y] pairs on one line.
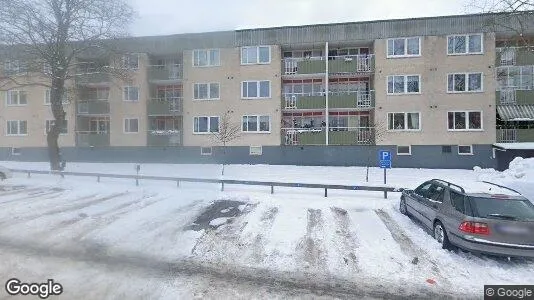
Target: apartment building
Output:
{"points": [[437, 92]]}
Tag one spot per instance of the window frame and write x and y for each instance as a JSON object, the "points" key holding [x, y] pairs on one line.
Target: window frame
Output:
{"points": [[126, 60], [405, 55], [46, 127], [18, 128], [409, 150], [208, 125], [470, 149], [47, 97], [466, 44], [209, 62], [128, 87], [255, 153], [257, 62], [19, 92], [258, 120], [466, 74], [467, 112], [203, 153], [208, 89], [405, 121], [129, 125], [258, 89], [405, 80]]}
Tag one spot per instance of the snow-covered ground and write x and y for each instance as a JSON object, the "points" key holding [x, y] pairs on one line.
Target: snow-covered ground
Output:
{"points": [[113, 240]]}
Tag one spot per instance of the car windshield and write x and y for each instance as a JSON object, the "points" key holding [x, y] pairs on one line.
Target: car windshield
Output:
{"points": [[498, 208]]}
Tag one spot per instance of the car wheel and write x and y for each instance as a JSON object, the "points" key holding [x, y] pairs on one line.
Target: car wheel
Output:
{"points": [[440, 234], [402, 207]]}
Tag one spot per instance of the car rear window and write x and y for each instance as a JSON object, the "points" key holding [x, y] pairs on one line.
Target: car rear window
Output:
{"points": [[519, 209]]}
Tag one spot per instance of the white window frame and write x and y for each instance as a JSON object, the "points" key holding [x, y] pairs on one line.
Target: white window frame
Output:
{"points": [[126, 61], [129, 87], [405, 121], [209, 62], [258, 117], [409, 150], [18, 92], [257, 62], [124, 127], [466, 44], [467, 112], [258, 89], [18, 128], [209, 125], [466, 82], [47, 100], [46, 127], [204, 153], [405, 76], [255, 150], [405, 47], [470, 148], [209, 91]]}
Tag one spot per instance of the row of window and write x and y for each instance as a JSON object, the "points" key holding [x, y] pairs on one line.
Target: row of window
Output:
{"points": [[462, 150], [211, 124], [459, 44], [249, 56], [456, 83], [456, 121]]}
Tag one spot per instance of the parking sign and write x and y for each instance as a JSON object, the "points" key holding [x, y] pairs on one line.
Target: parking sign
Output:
{"points": [[384, 158]]}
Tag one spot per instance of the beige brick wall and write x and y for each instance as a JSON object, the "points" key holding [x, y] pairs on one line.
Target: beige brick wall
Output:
{"points": [[434, 101]]}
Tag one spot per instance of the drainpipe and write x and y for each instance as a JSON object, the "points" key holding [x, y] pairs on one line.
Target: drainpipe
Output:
{"points": [[327, 118]]}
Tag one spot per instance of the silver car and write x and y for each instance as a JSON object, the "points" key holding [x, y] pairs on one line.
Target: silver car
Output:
{"points": [[489, 219]]}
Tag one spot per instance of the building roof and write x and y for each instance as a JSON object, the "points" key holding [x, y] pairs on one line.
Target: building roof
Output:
{"points": [[516, 112], [515, 146]]}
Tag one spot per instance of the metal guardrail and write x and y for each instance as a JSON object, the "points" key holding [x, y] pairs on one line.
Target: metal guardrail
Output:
{"points": [[223, 182]]}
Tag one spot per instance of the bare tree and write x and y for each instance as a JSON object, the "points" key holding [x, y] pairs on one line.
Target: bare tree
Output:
{"points": [[44, 39], [228, 132], [376, 133]]}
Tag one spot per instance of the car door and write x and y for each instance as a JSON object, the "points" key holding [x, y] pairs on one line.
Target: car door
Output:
{"points": [[416, 200], [455, 213], [432, 203]]}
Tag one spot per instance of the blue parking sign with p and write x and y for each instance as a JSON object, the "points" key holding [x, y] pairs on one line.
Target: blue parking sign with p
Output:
{"points": [[384, 158]]}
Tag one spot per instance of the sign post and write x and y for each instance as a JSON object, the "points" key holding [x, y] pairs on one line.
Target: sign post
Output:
{"points": [[384, 158]]}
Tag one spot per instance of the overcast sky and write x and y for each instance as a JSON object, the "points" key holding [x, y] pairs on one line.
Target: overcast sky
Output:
{"points": [[159, 17]]}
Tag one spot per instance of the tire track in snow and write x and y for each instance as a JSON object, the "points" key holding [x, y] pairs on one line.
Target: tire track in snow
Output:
{"points": [[20, 191], [311, 246], [258, 245], [349, 241], [409, 247]]}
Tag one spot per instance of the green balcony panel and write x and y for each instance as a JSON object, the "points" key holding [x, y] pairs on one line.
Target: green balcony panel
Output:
{"points": [[525, 135], [311, 102], [311, 67], [164, 140], [93, 78], [524, 57], [520, 97], [524, 96], [93, 108], [165, 73], [352, 101], [312, 138], [354, 65], [92, 139], [162, 108]]}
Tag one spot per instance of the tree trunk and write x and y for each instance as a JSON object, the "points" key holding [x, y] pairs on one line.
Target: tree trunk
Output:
{"points": [[53, 151], [224, 159], [56, 101]]}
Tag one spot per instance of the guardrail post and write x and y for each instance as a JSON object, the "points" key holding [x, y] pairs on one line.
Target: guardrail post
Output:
{"points": [[136, 181], [61, 174], [325, 192], [29, 175], [97, 178], [222, 186], [272, 189], [177, 183]]}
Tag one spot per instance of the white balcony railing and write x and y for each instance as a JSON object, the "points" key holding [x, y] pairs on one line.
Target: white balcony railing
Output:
{"points": [[364, 99], [507, 96], [291, 63], [507, 135], [507, 56], [364, 62]]}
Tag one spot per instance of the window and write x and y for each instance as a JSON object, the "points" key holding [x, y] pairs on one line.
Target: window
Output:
{"points": [[464, 44], [256, 124], [404, 121], [15, 151], [130, 61], [423, 189], [17, 127], [206, 58], [446, 149], [131, 93], [404, 47], [205, 151], [458, 201], [50, 123], [255, 150], [465, 120], [16, 98], [404, 84], [464, 82], [465, 150], [131, 125], [255, 55], [404, 150], [436, 193], [206, 124], [255, 89], [47, 98], [206, 91], [12, 67]]}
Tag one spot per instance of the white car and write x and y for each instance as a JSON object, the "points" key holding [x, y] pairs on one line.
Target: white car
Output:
{"points": [[5, 173]]}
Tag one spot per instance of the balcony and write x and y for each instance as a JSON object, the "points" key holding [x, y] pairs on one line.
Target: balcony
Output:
{"points": [[93, 79], [363, 100], [351, 64], [336, 136], [304, 65], [165, 106], [92, 139], [513, 96], [93, 107], [165, 73], [164, 138], [515, 135], [515, 56]]}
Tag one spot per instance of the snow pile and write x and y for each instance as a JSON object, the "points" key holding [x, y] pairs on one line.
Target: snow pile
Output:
{"points": [[519, 169]]}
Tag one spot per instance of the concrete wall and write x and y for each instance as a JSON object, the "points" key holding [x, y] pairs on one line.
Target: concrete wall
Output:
{"points": [[422, 156]]}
